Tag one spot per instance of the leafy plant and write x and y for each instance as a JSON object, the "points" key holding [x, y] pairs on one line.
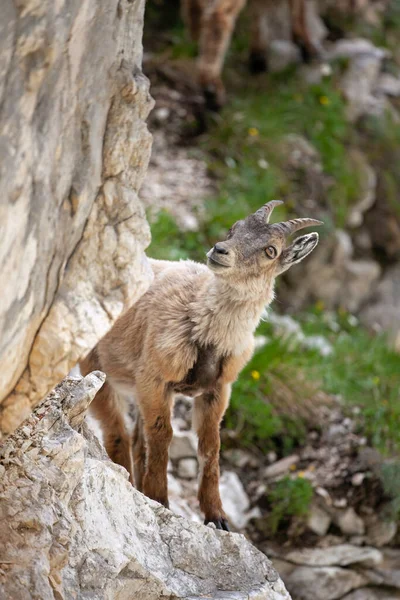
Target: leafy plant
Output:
{"points": [[288, 498]]}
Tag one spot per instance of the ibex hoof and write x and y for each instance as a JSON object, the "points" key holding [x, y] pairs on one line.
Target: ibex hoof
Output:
{"points": [[257, 63], [213, 98], [221, 523]]}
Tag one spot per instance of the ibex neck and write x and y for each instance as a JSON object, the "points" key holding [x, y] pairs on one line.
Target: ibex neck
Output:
{"points": [[226, 315]]}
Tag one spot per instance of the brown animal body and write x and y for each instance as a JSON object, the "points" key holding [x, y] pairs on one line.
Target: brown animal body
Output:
{"points": [[211, 24], [191, 332]]}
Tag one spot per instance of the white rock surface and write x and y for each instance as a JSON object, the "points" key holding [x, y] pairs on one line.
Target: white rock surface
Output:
{"points": [[349, 522], [187, 468], [183, 445], [235, 501], [318, 520], [76, 528], [74, 148], [281, 467], [341, 555], [322, 583]]}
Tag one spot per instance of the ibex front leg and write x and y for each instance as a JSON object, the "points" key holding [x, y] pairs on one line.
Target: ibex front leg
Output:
{"points": [[209, 408], [155, 403], [218, 23]]}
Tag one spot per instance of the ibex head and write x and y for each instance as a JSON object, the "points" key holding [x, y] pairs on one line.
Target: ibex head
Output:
{"points": [[254, 246]]}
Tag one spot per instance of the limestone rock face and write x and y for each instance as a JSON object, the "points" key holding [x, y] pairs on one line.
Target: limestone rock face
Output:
{"points": [[74, 149], [74, 527]]}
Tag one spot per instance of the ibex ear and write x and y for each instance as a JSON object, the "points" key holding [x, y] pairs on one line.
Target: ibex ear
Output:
{"points": [[294, 253]]}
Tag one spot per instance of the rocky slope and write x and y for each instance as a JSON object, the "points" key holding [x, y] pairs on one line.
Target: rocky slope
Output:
{"points": [[74, 527]]}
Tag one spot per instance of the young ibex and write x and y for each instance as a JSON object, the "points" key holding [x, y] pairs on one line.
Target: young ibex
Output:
{"points": [[211, 24], [191, 333]]}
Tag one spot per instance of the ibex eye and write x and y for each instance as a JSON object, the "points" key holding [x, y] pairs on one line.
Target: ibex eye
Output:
{"points": [[271, 252]]}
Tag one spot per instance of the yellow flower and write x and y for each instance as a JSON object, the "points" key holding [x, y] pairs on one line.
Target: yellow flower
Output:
{"points": [[301, 474], [324, 100], [255, 375], [253, 131], [319, 305], [292, 467]]}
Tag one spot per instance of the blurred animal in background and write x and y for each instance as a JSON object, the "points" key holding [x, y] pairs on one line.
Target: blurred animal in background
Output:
{"points": [[212, 22], [192, 332]]}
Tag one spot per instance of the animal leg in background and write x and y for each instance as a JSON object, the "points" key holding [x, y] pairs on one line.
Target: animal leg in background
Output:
{"points": [[218, 22], [191, 14], [209, 408], [300, 31], [155, 402], [259, 35]]}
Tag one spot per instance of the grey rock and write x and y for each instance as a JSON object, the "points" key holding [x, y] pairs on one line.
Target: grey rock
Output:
{"points": [[341, 555], [183, 445], [187, 468], [349, 522], [280, 467], [76, 528], [351, 48], [74, 149], [368, 181], [322, 583], [235, 500], [282, 54], [318, 520], [381, 532], [383, 312], [388, 84], [385, 577], [372, 593], [333, 276]]}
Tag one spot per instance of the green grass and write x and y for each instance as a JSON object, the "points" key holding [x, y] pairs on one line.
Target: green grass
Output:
{"points": [[362, 370]]}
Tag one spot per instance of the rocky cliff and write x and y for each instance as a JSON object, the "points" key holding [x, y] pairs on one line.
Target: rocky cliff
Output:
{"points": [[74, 149]]}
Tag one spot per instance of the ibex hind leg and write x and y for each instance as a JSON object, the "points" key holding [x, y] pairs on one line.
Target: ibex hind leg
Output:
{"points": [[109, 410], [139, 452]]}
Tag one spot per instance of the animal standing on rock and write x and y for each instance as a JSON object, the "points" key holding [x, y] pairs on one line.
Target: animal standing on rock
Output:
{"points": [[192, 332], [211, 24]]}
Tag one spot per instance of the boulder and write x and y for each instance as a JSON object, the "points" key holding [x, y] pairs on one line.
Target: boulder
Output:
{"points": [[372, 593], [349, 522], [187, 468], [381, 532], [322, 583], [183, 445], [342, 555], [74, 148], [382, 312], [318, 520], [282, 54], [332, 275], [74, 526]]}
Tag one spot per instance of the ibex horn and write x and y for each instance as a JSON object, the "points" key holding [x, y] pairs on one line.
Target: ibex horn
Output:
{"points": [[267, 209], [296, 224]]}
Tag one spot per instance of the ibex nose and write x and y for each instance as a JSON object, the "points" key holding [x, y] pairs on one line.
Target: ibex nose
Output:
{"points": [[220, 248]]}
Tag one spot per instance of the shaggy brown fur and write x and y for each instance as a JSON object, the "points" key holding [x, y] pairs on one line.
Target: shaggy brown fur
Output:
{"points": [[191, 332]]}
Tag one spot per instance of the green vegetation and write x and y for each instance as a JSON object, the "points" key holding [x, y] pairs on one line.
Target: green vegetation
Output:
{"points": [[390, 476], [288, 498], [268, 400]]}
